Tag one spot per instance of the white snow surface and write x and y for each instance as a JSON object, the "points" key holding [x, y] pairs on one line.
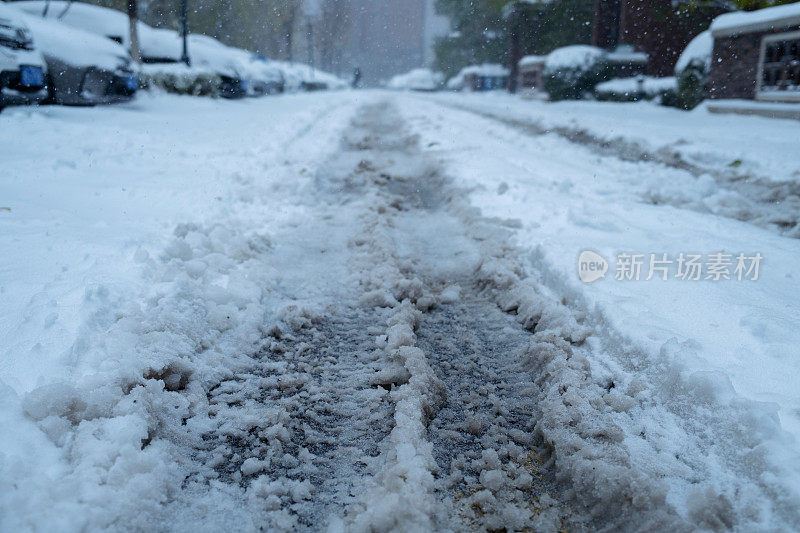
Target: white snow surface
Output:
{"points": [[105, 279], [575, 56], [698, 51], [150, 247], [772, 17], [532, 60], [650, 85]]}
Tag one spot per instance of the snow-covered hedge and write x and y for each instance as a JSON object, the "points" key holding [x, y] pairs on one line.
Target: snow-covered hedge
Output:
{"points": [[692, 70], [573, 71], [177, 78], [662, 90]]}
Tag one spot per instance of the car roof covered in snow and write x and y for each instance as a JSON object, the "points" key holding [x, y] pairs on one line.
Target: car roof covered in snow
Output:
{"points": [[11, 15], [751, 21], [75, 47], [154, 42]]}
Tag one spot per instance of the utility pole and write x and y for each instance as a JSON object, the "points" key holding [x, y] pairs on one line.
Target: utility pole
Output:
{"points": [[133, 25], [185, 33]]}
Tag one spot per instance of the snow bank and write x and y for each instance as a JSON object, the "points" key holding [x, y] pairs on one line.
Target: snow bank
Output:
{"points": [[770, 18], [697, 52], [420, 79]]}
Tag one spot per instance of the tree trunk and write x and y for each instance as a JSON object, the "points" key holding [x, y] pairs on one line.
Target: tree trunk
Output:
{"points": [[133, 20], [515, 54]]}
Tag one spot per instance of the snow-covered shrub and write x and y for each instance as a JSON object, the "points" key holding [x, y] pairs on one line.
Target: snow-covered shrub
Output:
{"points": [[661, 90], [692, 70], [181, 80], [572, 72]]}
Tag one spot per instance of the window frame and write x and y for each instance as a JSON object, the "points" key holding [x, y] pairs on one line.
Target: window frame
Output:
{"points": [[774, 96]]}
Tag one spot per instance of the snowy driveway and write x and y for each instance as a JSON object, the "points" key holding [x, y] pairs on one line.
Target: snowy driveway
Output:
{"points": [[289, 313]]}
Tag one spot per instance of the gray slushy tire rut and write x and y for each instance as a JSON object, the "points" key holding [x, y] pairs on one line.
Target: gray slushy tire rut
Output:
{"points": [[483, 438], [310, 383]]}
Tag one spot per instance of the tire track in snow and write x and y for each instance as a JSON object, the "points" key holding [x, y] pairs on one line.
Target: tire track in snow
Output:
{"points": [[462, 454], [758, 200], [299, 428]]}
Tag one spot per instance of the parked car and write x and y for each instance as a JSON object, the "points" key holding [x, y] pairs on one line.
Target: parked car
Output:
{"points": [[157, 45], [265, 78], [208, 53], [83, 68], [22, 67]]}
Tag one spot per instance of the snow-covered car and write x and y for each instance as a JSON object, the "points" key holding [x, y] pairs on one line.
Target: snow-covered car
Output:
{"points": [[419, 79], [301, 77], [486, 77], [157, 46], [83, 68], [265, 78], [208, 53], [22, 68]]}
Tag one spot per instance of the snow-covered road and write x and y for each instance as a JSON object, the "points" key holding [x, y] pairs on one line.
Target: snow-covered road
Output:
{"points": [[359, 311]]}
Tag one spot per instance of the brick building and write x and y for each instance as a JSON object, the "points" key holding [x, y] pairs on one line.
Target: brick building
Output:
{"points": [[757, 55], [660, 28]]}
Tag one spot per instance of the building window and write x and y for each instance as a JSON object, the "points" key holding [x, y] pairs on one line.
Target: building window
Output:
{"points": [[779, 68]]}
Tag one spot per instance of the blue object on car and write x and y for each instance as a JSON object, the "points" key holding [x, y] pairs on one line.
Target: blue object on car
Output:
{"points": [[131, 83], [31, 76]]}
